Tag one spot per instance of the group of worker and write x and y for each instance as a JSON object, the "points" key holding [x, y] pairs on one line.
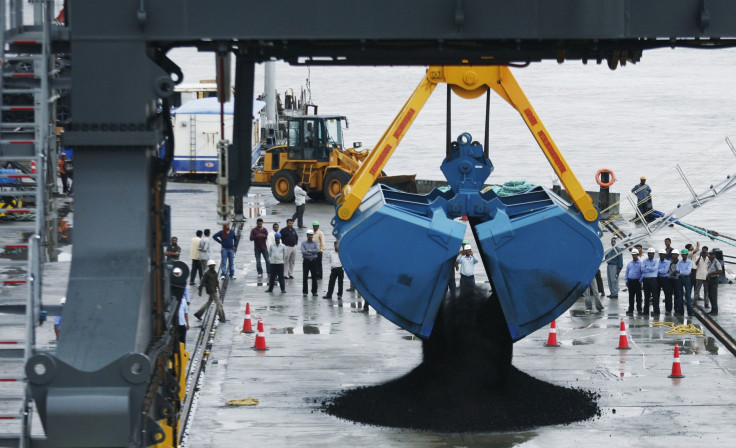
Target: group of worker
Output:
{"points": [[204, 268], [647, 276], [279, 252]]}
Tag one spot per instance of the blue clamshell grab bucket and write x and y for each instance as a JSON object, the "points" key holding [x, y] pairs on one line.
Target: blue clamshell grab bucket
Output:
{"points": [[399, 249], [400, 256]]}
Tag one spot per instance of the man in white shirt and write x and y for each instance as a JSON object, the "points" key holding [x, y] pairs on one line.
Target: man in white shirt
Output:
{"points": [[700, 265], [336, 273], [277, 256], [300, 199], [270, 238], [204, 250], [184, 317], [465, 263], [194, 255]]}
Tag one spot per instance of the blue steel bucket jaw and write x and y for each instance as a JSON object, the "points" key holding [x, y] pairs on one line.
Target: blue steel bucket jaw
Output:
{"points": [[399, 249], [541, 254]]}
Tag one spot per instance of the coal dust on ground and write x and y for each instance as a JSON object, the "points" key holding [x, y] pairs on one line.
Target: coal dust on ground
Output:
{"points": [[466, 382]]}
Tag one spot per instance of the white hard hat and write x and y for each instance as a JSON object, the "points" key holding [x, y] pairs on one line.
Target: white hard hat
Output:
{"points": [[651, 250], [675, 251], [310, 232], [467, 247], [211, 262], [662, 252], [62, 301], [634, 252]]}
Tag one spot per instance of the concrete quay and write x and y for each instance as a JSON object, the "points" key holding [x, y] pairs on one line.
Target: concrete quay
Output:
{"points": [[319, 347]]}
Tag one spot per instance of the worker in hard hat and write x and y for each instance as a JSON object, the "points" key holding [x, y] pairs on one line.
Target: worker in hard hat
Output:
{"points": [[465, 264], [644, 198], [633, 282], [212, 286], [319, 237], [57, 319], [684, 266], [649, 272], [310, 250]]}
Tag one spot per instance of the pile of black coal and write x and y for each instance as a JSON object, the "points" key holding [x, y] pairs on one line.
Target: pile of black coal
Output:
{"points": [[466, 382]]}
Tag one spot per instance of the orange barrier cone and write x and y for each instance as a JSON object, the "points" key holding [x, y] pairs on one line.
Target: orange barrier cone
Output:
{"points": [[247, 325], [623, 340], [260, 338], [552, 338], [676, 371], [33, 167]]}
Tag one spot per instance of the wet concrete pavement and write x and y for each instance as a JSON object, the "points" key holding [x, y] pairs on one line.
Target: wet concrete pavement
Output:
{"points": [[319, 347]]}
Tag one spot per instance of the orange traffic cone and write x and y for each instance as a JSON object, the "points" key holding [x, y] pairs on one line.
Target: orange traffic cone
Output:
{"points": [[552, 338], [247, 325], [623, 340], [260, 338], [33, 167], [676, 371]]}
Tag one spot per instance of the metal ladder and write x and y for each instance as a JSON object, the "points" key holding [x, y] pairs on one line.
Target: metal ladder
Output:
{"points": [[28, 147], [192, 143]]}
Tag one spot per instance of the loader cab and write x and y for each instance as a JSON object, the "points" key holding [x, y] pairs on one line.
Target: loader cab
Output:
{"points": [[313, 137]]}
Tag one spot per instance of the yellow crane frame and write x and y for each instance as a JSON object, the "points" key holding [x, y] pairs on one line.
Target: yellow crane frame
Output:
{"points": [[467, 82]]}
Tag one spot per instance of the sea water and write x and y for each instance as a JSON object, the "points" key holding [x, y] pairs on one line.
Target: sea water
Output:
{"points": [[674, 106]]}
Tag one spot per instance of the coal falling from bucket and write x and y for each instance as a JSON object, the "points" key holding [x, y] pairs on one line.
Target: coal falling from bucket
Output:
{"points": [[466, 382]]}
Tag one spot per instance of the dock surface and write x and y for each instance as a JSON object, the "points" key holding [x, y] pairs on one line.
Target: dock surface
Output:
{"points": [[319, 347]]}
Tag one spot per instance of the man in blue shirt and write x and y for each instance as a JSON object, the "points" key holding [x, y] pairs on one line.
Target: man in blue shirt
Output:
{"points": [[683, 284], [57, 319], [229, 243], [633, 282], [615, 264], [649, 272], [644, 198], [663, 281]]}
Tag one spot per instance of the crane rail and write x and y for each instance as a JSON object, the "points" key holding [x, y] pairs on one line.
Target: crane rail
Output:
{"points": [[200, 356]]}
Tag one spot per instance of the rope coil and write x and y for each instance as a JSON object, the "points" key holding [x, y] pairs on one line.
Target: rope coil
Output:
{"points": [[689, 329]]}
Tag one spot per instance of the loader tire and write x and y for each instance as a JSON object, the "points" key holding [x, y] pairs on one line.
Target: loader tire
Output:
{"points": [[282, 185], [335, 181]]}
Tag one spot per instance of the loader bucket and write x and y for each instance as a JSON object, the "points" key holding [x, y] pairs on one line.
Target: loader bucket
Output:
{"points": [[399, 250], [541, 257]]}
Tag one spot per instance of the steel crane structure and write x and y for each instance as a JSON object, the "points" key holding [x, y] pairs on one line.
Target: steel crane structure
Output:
{"points": [[112, 366]]}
